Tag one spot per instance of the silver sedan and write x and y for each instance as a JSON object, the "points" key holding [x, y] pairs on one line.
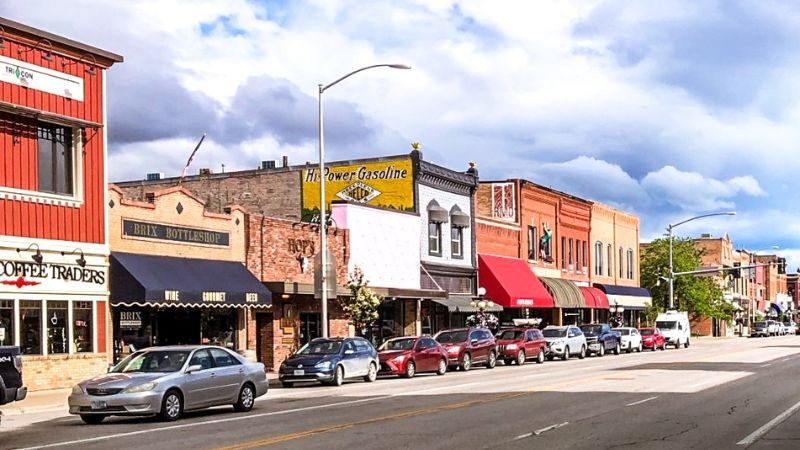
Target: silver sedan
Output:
{"points": [[168, 381]]}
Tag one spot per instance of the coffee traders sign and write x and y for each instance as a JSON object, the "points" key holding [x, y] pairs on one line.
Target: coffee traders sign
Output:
{"points": [[387, 183], [149, 230]]}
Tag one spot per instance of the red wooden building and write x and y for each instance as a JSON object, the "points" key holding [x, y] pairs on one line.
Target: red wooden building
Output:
{"points": [[53, 238]]}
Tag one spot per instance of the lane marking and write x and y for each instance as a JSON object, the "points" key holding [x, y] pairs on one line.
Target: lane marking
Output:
{"points": [[765, 365], [540, 431], [440, 388], [205, 422], [767, 427], [642, 401]]}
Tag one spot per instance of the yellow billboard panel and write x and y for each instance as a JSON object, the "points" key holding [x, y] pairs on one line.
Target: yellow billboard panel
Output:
{"points": [[387, 184]]}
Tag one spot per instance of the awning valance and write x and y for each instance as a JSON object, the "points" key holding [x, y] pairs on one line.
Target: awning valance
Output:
{"points": [[138, 280], [462, 303], [630, 297], [594, 298], [436, 213], [510, 283], [458, 218], [565, 293]]}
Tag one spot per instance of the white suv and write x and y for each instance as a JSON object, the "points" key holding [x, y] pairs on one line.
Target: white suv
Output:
{"points": [[564, 342]]}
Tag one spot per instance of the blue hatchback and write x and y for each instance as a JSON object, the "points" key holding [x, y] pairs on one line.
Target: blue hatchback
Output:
{"points": [[330, 361]]}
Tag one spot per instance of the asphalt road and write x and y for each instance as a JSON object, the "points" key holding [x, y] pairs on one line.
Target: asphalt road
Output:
{"points": [[729, 393]]}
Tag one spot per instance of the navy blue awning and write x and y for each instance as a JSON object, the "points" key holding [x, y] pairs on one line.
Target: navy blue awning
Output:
{"points": [[777, 307], [613, 289], [139, 280]]}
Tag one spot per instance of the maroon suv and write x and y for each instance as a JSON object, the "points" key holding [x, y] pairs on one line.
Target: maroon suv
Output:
{"points": [[517, 345], [469, 346]]}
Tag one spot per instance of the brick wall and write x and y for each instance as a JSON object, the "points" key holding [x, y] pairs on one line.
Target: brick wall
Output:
{"points": [[274, 193], [61, 371]]}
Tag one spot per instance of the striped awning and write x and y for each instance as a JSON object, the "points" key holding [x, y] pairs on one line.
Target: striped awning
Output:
{"points": [[565, 293]]}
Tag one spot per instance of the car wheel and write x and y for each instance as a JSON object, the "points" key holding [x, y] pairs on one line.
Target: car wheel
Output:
{"points": [[521, 357], [640, 348], [466, 362], [492, 360], [677, 344], [664, 346], [686, 345], [92, 419], [602, 351], [630, 348], [442, 367], [247, 398], [372, 373], [287, 384], [338, 377], [617, 349], [582, 354], [566, 353], [540, 357], [411, 369], [171, 406]]}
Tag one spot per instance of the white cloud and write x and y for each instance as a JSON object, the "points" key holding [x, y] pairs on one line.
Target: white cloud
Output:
{"points": [[692, 191]]}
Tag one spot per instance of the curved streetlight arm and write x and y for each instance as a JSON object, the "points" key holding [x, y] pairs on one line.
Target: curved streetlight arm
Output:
{"points": [[729, 213], [323, 88]]}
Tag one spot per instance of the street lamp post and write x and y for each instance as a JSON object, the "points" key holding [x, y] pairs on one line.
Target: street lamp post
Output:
{"points": [[669, 232], [481, 304], [322, 210]]}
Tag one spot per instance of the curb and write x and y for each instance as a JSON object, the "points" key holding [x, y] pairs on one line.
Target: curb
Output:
{"points": [[34, 410]]}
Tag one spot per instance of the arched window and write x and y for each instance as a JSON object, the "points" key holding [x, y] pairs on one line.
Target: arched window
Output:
{"points": [[619, 261], [630, 263], [610, 269], [598, 258]]}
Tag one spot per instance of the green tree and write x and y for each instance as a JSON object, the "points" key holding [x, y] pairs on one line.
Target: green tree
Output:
{"points": [[361, 308], [699, 295]]}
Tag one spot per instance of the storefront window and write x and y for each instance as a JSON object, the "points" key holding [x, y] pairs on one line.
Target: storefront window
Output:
{"points": [[30, 313], [218, 327], [57, 327], [82, 327], [6, 322]]}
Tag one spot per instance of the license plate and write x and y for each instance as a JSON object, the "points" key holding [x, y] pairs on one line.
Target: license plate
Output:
{"points": [[98, 404], [299, 372]]}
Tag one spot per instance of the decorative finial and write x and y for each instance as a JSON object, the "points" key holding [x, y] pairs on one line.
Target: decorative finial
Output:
{"points": [[416, 146], [472, 165]]}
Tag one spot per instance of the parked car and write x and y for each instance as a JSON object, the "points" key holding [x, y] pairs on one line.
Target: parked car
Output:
{"points": [[601, 339], [790, 327], [773, 328], [760, 328], [653, 339], [168, 381], [631, 339], [11, 386], [564, 341], [674, 325], [330, 361], [467, 347], [517, 345], [407, 356]]}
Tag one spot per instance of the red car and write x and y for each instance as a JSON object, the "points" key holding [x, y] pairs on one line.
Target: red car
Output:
{"points": [[469, 346], [653, 339], [517, 345], [407, 356]]}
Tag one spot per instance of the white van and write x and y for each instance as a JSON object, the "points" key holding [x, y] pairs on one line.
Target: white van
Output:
{"points": [[674, 325]]}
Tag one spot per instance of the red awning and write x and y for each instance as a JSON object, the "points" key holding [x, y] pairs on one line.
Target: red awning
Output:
{"points": [[595, 298], [510, 283]]}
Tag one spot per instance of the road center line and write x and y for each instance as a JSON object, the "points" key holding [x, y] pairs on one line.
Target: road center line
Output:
{"points": [[755, 435], [205, 422], [540, 431], [765, 365], [642, 401]]}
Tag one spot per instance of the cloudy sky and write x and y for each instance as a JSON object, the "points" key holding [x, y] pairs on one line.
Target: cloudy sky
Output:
{"points": [[667, 109]]}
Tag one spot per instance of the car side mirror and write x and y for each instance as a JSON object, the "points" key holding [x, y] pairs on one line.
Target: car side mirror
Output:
{"points": [[349, 352], [108, 369], [473, 342], [194, 368]]}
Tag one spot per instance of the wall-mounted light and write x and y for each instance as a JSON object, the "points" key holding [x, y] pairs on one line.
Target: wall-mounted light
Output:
{"points": [[36, 256], [81, 261], [47, 56], [87, 57]]}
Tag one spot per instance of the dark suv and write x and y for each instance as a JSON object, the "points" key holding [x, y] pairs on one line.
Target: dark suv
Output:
{"points": [[600, 339], [469, 346], [11, 388]]}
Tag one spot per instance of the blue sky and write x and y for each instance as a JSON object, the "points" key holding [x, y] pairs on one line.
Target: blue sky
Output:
{"points": [[665, 109]]}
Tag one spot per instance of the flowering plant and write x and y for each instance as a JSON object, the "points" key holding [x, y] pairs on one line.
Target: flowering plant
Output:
{"points": [[483, 320]]}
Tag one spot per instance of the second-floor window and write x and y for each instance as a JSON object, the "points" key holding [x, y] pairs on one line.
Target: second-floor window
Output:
{"points": [[533, 245], [619, 261], [630, 263], [435, 238], [563, 253], [610, 261], [571, 255], [456, 242], [54, 154], [598, 258]]}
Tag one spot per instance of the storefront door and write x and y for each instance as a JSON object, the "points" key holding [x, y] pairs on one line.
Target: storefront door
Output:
{"points": [[265, 339], [310, 327], [178, 326]]}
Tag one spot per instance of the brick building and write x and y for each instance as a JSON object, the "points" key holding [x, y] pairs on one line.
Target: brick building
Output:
{"points": [[53, 240]]}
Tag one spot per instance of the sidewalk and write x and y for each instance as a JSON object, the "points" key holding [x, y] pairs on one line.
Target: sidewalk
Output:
{"points": [[56, 399]]}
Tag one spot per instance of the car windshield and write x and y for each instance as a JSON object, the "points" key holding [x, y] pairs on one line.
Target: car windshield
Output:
{"points": [[760, 324], [398, 344], [152, 361], [623, 331], [448, 337], [591, 329], [647, 332], [666, 325], [554, 332], [510, 334], [320, 348]]}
